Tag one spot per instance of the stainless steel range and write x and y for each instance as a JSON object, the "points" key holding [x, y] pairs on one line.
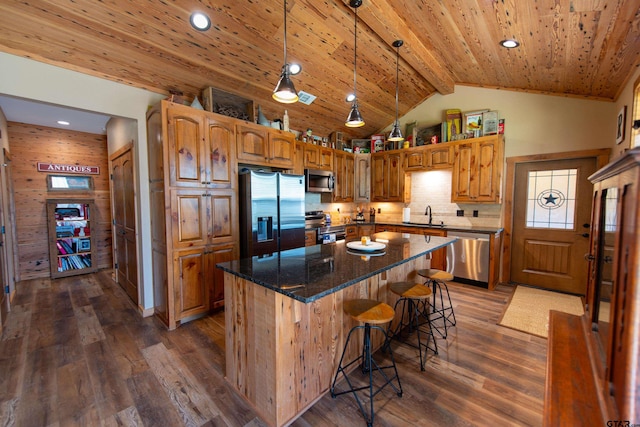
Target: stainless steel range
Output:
{"points": [[340, 232], [314, 219]]}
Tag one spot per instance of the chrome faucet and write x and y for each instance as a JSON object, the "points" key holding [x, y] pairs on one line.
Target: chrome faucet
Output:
{"points": [[428, 212]]}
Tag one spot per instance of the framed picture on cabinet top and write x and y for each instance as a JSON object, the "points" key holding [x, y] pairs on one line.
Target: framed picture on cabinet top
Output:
{"points": [[634, 132], [472, 123], [620, 124]]}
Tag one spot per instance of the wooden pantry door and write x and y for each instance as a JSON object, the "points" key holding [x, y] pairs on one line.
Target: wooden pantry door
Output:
{"points": [[124, 221], [551, 221]]}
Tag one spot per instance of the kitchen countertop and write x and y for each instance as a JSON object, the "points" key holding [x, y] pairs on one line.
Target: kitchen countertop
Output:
{"points": [[465, 228], [309, 273]]}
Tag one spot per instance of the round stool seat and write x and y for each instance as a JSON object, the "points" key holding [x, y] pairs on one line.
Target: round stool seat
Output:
{"points": [[411, 290], [369, 311], [435, 274]]}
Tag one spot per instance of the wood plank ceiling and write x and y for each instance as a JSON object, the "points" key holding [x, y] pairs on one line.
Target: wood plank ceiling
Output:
{"points": [[582, 48]]}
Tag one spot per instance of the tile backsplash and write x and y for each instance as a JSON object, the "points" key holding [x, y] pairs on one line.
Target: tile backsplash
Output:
{"points": [[431, 188]]}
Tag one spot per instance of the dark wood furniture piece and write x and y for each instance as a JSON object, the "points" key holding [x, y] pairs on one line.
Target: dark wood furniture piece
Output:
{"points": [[593, 363]]}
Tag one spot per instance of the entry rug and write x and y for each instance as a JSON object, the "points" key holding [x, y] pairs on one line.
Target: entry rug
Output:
{"points": [[528, 310]]}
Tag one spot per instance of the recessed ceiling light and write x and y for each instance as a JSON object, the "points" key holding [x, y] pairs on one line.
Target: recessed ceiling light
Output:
{"points": [[294, 69], [509, 43], [63, 123], [350, 97], [200, 21]]}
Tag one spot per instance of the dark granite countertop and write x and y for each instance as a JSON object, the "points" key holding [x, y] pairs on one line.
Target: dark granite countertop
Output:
{"points": [[465, 228], [309, 273]]}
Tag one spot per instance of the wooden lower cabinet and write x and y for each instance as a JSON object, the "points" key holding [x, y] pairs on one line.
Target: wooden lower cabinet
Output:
{"points": [[198, 284], [217, 254], [310, 237], [191, 293], [351, 232], [365, 230]]}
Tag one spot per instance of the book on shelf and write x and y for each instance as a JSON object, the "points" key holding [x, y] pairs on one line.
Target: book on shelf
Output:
{"points": [[61, 249], [453, 118]]}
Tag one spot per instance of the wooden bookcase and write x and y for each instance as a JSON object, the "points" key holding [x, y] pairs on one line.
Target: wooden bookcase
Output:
{"points": [[71, 243]]}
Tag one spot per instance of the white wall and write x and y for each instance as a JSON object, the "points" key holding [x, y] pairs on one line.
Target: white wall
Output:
{"points": [[534, 123], [33, 80], [626, 98]]}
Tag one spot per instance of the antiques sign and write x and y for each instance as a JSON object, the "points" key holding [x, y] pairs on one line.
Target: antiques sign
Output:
{"points": [[53, 167]]}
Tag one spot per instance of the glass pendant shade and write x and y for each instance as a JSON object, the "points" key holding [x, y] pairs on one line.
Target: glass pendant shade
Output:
{"points": [[285, 92], [396, 134], [354, 120]]}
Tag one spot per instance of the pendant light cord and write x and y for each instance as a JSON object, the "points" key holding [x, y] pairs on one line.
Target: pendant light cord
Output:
{"points": [[285, 36], [355, 53], [397, 81]]}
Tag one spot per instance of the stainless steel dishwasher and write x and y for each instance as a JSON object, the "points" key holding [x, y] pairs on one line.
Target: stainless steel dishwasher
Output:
{"points": [[468, 257]]}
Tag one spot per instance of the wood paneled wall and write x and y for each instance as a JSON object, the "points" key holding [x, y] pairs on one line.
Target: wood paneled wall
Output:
{"points": [[30, 144]]}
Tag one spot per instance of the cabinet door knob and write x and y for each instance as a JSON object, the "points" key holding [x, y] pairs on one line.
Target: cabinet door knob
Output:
{"points": [[589, 257]]}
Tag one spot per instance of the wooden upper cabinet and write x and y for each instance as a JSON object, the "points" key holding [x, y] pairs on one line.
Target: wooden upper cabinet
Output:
{"points": [[281, 148], [439, 156], [362, 179], [379, 190], [344, 174], [252, 143], [201, 217], [428, 157], [387, 177], [396, 177], [317, 157], [415, 159], [220, 157], [477, 170], [260, 145], [201, 151], [186, 149], [189, 216], [326, 158]]}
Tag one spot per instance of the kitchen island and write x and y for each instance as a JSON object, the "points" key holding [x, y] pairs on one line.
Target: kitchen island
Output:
{"points": [[284, 324]]}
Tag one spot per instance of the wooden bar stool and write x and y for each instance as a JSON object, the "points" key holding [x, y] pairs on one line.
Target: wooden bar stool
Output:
{"points": [[437, 279], [412, 297], [373, 314]]}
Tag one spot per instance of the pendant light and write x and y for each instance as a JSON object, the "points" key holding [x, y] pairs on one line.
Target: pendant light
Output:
{"points": [[395, 134], [355, 120], [285, 92]]}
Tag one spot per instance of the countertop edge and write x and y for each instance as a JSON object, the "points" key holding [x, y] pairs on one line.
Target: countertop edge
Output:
{"points": [[322, 294]]}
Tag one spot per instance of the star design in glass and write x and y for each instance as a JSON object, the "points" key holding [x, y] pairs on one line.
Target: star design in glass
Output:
{"points": [[550, 199]]}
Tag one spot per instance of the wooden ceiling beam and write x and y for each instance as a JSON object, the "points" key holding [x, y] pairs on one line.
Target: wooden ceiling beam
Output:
{"points": [[381, 17]]}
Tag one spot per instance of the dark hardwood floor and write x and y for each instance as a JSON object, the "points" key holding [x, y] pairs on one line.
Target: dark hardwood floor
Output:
{"points": [[75, 351]]}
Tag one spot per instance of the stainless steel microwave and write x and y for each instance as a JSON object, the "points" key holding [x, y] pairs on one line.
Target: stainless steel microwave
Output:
{"points": [[318, 181]]}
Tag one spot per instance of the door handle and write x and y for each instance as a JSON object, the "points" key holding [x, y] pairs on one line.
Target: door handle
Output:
{"points": [[589, 257]]}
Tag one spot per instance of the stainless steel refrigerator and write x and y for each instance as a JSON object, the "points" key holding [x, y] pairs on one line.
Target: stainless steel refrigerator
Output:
{"points": [[271, 212]]}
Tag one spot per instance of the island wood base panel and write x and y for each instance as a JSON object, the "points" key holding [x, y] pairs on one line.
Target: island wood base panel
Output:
{"points": [[281, 354]]}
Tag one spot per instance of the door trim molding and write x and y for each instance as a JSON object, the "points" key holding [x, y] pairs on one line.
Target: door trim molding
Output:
{"points": [[602, 158]]}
